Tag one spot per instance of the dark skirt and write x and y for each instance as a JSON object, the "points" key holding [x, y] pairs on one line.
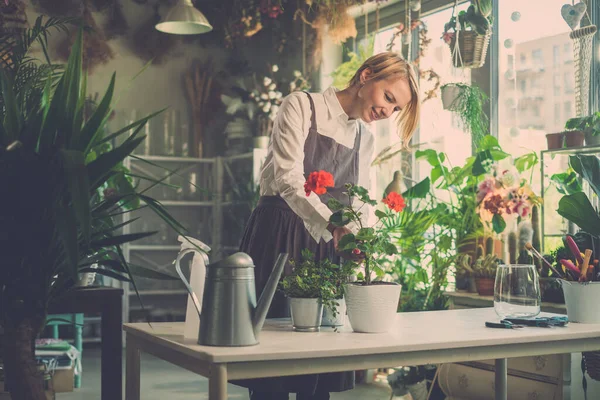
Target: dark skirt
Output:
{"points": [[274, 228]]}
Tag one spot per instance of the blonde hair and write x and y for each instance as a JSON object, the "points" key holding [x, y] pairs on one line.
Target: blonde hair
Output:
{"points": [[389, 64]]}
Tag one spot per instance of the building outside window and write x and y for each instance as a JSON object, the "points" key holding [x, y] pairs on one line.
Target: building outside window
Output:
{"points": [[556, 55]]}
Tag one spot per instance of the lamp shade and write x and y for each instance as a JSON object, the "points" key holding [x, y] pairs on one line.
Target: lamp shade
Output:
{"points": [[184, 19]]}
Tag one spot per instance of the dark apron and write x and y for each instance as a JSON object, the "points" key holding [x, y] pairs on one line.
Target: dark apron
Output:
{"points": [[274, 228]]}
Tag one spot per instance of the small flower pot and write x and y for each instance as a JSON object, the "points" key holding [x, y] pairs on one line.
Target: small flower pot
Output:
{"points": [[555, 140], [372, 308], [340, 315], [592, 140], [450, 96], [306, 314], [485, 286], [261, 142], [582, 301], [574, 139]]}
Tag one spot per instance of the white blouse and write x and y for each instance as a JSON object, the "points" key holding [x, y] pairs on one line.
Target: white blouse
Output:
{"points": [[283, 171]]}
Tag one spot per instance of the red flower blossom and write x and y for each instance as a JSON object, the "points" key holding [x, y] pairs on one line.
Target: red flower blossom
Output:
{"points": [[318, 182], [495, 204], [394, 201]]}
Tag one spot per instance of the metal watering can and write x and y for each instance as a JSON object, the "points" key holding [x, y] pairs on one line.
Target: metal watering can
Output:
{"points": [[230, 315]]}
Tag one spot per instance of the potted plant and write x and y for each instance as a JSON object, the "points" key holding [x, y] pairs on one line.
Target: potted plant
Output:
{"points": [[555, 140], [590, 126], [371, 303], [468, 34], [67, 186], [484, 271], [308, 289], [338, 275], [467, 101]]}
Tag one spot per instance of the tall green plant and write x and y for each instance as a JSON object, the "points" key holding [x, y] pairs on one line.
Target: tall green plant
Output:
{"points": [[56, 219]]}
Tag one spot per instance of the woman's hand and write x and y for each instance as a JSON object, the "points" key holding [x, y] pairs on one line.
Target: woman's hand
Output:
{"points": [[338, 233]]}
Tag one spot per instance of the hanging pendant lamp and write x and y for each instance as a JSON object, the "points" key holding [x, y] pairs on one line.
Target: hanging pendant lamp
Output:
{"points": [[184, 19]]}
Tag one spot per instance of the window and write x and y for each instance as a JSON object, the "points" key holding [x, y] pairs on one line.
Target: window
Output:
{"points": [[569, 84], [537, 58], [548, 46], [556, 83]]}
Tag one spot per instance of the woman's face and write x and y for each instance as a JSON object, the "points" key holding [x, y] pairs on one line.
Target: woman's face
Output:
{"points": [[379, 99]]}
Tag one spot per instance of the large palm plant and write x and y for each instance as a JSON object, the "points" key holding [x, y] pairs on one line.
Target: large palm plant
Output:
{"points": [[56, 217]]}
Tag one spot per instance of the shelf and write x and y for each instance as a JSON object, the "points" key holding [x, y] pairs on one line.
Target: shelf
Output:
{"points": [[153, 247], [184, 203], [165, 292], [172, 159], [573, 150]]}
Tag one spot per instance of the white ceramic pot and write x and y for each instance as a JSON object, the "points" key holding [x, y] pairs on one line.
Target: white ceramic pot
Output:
{"points": [[306, 314], [372, 308], [450, 95], [582, 301], [261, 142], [339, 319]]}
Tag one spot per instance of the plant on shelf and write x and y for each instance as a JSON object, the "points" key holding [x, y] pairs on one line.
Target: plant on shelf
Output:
{"points": [[468, 34], [374, 245], [468, 102], [59, 216], [589, 125], [484, 271]]}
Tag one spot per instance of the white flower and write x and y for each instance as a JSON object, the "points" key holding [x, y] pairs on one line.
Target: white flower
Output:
{"points": [[252, 95], [267, 107], [267, 81], [261, 103], [274, 110], [293, 86], [297, 74], [272, 94], [275, 68], [279, 95], [272, 86], [264, 96]]}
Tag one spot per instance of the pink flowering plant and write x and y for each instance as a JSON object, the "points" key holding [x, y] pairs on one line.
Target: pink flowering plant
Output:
{"points": [[504, 196]]}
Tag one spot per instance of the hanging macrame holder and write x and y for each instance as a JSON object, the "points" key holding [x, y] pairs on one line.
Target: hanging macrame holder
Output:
{"points": [[468, 48], [582, 53]]}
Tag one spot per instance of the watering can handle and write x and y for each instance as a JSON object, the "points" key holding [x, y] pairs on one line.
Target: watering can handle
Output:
{"points": [[183, 278]]}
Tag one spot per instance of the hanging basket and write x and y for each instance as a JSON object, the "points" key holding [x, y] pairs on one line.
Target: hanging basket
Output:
{"points": [[592, 364], [471, 49], [451, 96]]}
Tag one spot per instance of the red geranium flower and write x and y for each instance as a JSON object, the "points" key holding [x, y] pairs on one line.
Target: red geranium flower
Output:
{"points": [[394, 201], [318, 182]]}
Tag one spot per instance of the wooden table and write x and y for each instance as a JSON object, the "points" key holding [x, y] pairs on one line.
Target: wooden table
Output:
{"points": [[107, 301], [430, 337]]}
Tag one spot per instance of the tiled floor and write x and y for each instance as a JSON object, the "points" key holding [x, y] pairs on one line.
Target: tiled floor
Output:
{"points": [[163, 381]]}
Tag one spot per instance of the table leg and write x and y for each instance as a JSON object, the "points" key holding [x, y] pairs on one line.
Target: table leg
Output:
{"points": [[132, 369], [112, 350], [501, 379], [217, 382]]}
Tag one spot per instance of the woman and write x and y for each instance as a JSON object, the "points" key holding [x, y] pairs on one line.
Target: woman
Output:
{"points": [[315, 132]]}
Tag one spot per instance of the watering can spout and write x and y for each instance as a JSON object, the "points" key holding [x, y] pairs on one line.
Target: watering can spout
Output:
{"points": [[267, 295]]}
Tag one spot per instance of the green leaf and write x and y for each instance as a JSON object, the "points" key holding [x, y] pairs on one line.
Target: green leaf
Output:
{"points": [[334, 205], [481, 159], [120, 239], [489, 142], [94, 125], [338, 219], [346, 239], [566, 182], [101, 166], [418, 191], [380, 214], [12, 115], [589, 169], [390, 248], [366, 234], [526, 161], [578, 209], [79, 189], [498, 223], [66, 227], [164, 215]]}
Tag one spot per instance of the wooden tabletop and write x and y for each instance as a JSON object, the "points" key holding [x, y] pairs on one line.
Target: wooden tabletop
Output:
{"points": [[417, 331]]}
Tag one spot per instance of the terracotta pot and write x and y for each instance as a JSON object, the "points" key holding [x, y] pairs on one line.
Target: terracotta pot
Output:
{"points": [[574, 139], [592, 140], [485, 286], [555, 140]]}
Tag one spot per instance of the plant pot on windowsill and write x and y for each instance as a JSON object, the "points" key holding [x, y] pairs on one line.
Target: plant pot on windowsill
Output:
{"points": [[372, 308], [485, 286], [306, 314], [555, 140], [574, 139], [591, 139]]}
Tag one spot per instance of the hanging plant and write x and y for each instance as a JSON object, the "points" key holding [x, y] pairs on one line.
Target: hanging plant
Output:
{"points": [[12, 17], [151, 44], [467, 102], [345, 71], [96, 50]]}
